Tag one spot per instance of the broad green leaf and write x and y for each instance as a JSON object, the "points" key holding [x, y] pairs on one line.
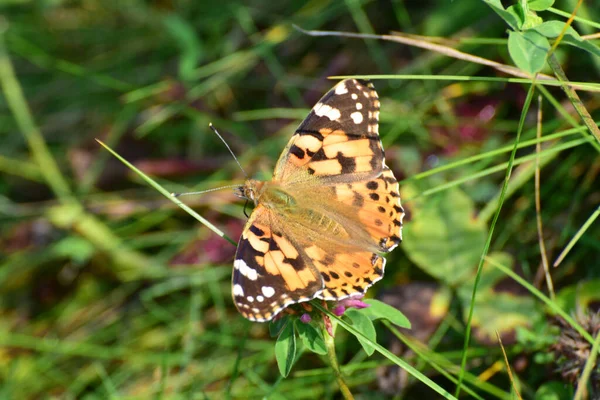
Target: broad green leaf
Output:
{"points": [[285, 350], [379, 309], [443, 237], [362, 323], [552, 29], [275, 327], [510, 17], [491, 276], [528, 19], [311, 337], [540, 5], [528, 50], [498, 311]]}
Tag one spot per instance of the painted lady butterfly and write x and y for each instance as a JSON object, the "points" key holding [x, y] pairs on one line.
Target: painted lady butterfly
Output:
{"points": [[332, 206]]}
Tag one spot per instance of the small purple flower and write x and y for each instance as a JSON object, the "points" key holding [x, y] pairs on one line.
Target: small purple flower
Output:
{"points": [[350, 302], [305, 318], [339, 310]]}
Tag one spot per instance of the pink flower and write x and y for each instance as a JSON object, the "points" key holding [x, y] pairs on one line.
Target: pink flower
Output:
{"points": [[305, 318], [350, 302]]}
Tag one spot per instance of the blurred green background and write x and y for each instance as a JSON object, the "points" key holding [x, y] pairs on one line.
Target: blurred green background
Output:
{"points": [[109, 290]]}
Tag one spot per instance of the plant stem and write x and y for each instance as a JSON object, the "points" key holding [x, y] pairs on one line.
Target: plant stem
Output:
{"points": [[330, 343]]}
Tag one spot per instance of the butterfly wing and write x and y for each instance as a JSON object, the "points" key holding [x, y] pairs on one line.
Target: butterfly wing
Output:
{"points": [[338, 139], [270, 270]]}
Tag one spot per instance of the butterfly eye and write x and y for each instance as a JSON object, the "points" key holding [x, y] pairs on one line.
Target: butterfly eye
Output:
{"points": [[240, 191]]}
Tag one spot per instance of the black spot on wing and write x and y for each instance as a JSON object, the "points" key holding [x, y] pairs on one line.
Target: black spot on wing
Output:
{"points": [[358, 200], [348, 163], [297, 151], [311, 132], [372, 185]]}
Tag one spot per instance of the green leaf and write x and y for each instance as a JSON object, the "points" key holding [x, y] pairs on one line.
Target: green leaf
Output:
{"points": [[510, 17], [531, 20], [363, 324], [444, 238], [552, 29], [285, 350], [528, 50], [379, 309], [554, 391], [501, 312], [275, 327], [540, 5], [311, 337]]}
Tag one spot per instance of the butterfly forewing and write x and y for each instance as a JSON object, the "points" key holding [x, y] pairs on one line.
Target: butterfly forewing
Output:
{"points": [[338, 138]]}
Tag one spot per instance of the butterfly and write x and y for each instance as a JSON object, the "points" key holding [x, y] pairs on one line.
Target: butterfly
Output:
{"points": [[332, 207]]}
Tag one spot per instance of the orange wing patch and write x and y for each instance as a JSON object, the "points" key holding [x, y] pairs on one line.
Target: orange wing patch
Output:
{"points": [[377, 203], [346, 274]]}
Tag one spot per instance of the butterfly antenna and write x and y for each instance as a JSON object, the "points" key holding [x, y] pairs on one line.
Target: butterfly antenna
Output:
{"points": [[204, 191], [228, 148]]}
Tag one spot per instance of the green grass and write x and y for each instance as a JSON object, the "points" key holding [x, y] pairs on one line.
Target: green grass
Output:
{"points": [[108, 289]]}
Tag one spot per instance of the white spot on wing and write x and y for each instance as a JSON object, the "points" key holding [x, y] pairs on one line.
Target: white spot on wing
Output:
{"points": [[245, 270], [341, 88], [354, 96], [268, 291], [238, 290], [356, 117], [260, 299], [250, 299], [359, 106], [324, 110]]}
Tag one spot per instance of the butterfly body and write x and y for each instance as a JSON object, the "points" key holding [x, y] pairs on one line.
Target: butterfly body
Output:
{"points": [[332, 207]]}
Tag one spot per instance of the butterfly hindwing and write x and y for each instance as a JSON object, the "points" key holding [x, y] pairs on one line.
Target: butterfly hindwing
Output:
{"points": [[345, 273], [376, 202]]}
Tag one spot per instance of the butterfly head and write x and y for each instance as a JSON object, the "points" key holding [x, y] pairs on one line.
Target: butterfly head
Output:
{"points": [[250, 190]]}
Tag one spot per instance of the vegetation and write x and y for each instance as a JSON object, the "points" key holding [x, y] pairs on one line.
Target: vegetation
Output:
{"points": [[109, 290]]}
